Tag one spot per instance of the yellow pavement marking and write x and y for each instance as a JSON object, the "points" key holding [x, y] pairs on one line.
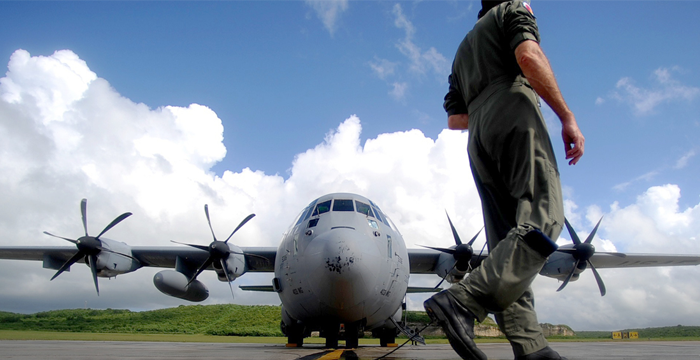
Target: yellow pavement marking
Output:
{"points": [[335, 355]]}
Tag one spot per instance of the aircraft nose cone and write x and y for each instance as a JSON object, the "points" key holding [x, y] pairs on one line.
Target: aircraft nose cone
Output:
{"points": [[346, 274]]}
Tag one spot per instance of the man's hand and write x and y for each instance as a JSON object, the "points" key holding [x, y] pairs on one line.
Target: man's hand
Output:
{"points": [[458, 122], [573, 140]]}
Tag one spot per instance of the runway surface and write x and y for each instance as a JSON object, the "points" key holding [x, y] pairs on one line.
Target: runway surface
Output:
{"points": [[106, 350]]}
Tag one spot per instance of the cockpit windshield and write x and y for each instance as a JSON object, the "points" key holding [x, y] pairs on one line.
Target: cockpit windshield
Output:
{"points": [[374, 215], [363, 208], [323, 207], [342, 205]]}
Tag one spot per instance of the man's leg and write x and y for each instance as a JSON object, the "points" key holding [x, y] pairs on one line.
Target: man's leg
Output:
{"points": [[499, 281], [515, 171], [505, 275], [519, 323]]}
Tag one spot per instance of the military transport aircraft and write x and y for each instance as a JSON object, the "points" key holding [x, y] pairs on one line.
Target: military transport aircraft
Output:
{"points": [[342, 266]]}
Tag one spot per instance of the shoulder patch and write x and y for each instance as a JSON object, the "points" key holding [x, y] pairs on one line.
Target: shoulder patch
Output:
{"points": [[528, 7]]}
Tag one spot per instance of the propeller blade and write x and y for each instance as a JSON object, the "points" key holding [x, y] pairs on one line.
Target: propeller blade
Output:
{"points": [[249, 254], [482, 250], [225, 268], [201, 268], [598, 279], [568, 277], [118, 253], [590, 236], [445, 277], [454, 231], [574, 236], [200, 247], [83, 212], [206, 211], [583, 252], [68, 263], [113, 223], [61, 237], [448, 251], [93, 268], [239, 226], [474, 238]]}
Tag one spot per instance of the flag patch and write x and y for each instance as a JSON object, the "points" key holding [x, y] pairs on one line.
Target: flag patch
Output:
{"points": [[527, 6]]}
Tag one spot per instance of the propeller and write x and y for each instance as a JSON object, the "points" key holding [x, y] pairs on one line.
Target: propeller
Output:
{"points": [[89, 246], [582, 253], [218, 250], [461, 252]]}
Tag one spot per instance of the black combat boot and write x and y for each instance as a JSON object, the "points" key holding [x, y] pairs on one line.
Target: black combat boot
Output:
{"points": [[457, 322], [544, 354]]}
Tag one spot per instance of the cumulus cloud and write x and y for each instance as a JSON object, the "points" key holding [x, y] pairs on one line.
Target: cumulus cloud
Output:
{"points": [[653, 224], [664, 89], [328, 11], [66, 134]]}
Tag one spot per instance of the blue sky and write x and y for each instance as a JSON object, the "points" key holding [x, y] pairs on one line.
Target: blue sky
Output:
{"points": [[282, 77], [275, 74]]}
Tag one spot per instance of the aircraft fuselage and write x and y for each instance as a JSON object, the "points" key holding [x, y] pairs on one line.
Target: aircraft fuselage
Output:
{"points": [[341, 262]]}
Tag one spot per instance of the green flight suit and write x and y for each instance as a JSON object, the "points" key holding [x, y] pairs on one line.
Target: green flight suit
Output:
{"points": [[514, 168]]}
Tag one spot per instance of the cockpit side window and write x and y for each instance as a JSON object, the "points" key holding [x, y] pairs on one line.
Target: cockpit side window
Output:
{"points": [[378, 212], [307, 212], [302, 215], [363, 208], [391, 224], [323, 207], [343, 205], [380, 215]]}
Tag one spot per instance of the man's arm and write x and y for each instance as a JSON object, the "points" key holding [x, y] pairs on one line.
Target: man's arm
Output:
{"points": [[538, 72], [457, 118]]}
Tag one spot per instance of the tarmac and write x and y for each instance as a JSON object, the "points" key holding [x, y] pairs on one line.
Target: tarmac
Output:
{"points": [[107, 350]]}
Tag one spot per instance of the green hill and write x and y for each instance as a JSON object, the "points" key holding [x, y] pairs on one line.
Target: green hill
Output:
{"points": [[195, 319], [666, 332]]}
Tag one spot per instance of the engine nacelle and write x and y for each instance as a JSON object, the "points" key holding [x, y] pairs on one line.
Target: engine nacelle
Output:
{"points": [[235, 263], [173, 283], [111, 264], [445, 264], [560, 265]]}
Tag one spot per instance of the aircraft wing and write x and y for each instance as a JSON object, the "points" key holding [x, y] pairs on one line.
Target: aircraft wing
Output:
{"points": [[165, 257], [155, 256], [427, 261], [602, 261], [423, 261], [37, 253]]}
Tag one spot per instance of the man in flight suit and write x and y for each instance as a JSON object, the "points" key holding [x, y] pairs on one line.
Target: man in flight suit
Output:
{"points": [[498, 72]]}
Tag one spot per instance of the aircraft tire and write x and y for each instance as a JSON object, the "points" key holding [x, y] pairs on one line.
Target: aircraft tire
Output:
{"points": [[387, 339]]}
